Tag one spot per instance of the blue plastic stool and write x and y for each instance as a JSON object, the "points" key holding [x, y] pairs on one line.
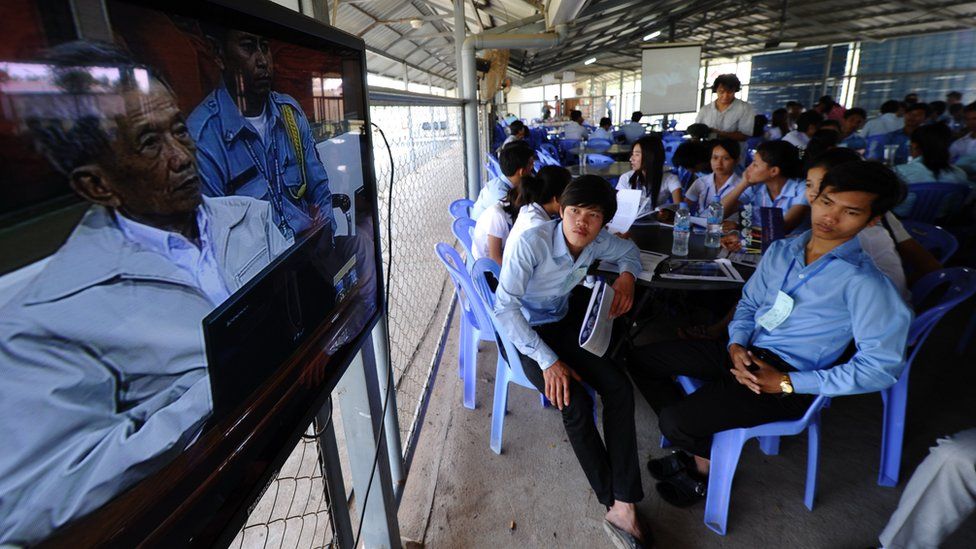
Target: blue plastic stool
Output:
{"points": [[598, 145], [962, 285], [461, 208], [727, 446], [598, 160], [506, 371], [475, 322]]}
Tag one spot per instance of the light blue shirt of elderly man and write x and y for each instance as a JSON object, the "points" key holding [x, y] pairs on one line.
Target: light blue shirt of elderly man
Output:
{"points": [[534, 310]]}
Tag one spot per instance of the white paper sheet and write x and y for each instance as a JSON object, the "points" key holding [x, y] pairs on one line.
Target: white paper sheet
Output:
{"points": [[649, 262], [628, 204], [597, 326]]}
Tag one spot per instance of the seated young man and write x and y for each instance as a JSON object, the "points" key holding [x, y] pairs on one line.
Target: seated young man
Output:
{"points": [[533, 310], [809, 297], [516, 160]]}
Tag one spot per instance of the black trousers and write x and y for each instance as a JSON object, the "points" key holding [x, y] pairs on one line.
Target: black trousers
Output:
{"points": [[722, 403], [611, 466]]}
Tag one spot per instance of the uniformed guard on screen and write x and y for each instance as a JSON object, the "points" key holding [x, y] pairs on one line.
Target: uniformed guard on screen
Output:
{"points": [[257, 142]]}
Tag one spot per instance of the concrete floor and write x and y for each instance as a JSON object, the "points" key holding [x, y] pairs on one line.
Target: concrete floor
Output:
{"points": [[461, 494]]}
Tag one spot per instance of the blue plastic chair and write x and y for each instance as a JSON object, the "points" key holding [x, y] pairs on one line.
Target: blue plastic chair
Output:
{"points": [[619, 136], [462, 228], [461, 208], [938, 241], [598, 145], [550, 149], [727, 447], [961, 286], [875, 147], [475, 323], [567, 146], [928, 201], [545, 159], [670, 145], [598, 160], [751, 145], [506, 371], [494, 168]]}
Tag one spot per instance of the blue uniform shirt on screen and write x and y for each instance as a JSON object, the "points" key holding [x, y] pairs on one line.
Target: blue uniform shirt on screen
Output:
{"points": [[538, 272], [848, 298], [235, 160]]}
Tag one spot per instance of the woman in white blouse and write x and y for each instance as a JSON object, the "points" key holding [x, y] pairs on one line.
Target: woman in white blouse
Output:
{"points": [[539, 199], [725, 154], [493, 227], [647, 173]]}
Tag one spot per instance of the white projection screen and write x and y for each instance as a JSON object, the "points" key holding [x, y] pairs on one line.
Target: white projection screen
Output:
{"points": [[669, 78]]}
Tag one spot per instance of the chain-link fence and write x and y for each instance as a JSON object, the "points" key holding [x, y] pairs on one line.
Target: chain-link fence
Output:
{"points": [[426, 144]]}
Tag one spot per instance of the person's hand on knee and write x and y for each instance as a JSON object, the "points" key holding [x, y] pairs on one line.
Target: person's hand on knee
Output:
{"points": [[557, 379]]}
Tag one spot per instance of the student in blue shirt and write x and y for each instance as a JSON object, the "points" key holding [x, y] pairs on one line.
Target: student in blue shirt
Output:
{"points": [[774, 179], [254, 141], [915, 116], [517, 160], [533, 310], [853, 120], [809, 297], [605, 131]]}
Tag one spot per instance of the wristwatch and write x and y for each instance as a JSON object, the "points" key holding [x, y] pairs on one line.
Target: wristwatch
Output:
{"points": [[786, 385]]}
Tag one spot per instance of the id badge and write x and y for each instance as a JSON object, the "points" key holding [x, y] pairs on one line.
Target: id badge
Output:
{"points": [[779, 312]]}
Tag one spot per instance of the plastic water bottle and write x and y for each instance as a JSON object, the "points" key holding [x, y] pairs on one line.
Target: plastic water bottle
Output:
{"points": [[713, 233], [682, 230]]}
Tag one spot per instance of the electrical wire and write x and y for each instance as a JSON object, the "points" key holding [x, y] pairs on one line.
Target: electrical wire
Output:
{"points": [[386, 312]]}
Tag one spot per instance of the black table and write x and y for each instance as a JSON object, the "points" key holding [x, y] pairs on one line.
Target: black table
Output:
{"points": [[658, 238], [610, 170]]}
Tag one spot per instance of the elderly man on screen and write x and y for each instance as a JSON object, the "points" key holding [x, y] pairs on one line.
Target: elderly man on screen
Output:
{"points": [[101, 355]]}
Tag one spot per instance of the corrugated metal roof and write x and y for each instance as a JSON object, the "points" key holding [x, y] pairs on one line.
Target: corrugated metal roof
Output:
{"points": [[612, 30]]}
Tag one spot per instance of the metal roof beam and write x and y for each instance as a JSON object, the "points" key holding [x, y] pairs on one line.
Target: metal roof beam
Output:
{"points": [[943, 11]]}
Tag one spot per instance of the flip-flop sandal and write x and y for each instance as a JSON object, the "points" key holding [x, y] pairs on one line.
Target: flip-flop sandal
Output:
{"points": [[621, 538], [664, 467], [682, 490]]}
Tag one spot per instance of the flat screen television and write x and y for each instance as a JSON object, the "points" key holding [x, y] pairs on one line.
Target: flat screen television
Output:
{"points": [[188, 219]]}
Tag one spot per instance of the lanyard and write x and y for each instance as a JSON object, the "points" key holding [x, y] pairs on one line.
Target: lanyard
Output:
{"points": [[274, 183], [803, 278], [721, 192]]}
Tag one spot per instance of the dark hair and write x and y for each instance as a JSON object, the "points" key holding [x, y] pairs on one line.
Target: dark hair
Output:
{"points": [[515, 156], [833, 157], [549, 183], [891, 105], [970, 107], [517, 127], [908, 97], [698, 131], [781, 120], [605, 122], [576, 115], [72, 139], [636, 116], [690, 155], [829, 123], [731, 146], [938, 107], [591, 191], [728, 81], [794, 104], [806, 119], [856, 111], [933, 140], [820, 142], [920, 107], [651, 171], [759, 125], [827, 101], [782, 155], [866, 176], [954, 95]]}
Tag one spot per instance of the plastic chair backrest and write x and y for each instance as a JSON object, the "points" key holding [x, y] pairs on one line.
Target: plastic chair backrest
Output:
{"points": [[619, 136], [595, 159], [875, 149], [932, 199], [961, 283], [598, 145], [463, 227], [938, 241], [550, 149], [669, 147], [545, 158], [461, 208], [567, 144], [494, 168], [479, 273], [471, 303]]}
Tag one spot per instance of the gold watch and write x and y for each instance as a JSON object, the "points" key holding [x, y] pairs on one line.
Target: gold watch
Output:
{"points": [[786, 385]]}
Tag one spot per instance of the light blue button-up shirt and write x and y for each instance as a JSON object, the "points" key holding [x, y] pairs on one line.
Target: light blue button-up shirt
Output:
{"points": [[199, 263], [848, 298], [495, 190], [537, 275], [794, 193]]}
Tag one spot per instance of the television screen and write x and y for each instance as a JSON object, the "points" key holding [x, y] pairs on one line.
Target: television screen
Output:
{"points": [[186, 201]]}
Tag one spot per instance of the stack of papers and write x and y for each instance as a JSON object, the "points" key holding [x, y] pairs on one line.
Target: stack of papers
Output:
{"points": [[649, 262]]}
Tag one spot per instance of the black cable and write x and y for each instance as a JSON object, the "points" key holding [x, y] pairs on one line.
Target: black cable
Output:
{"points": [[389, 358]]}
